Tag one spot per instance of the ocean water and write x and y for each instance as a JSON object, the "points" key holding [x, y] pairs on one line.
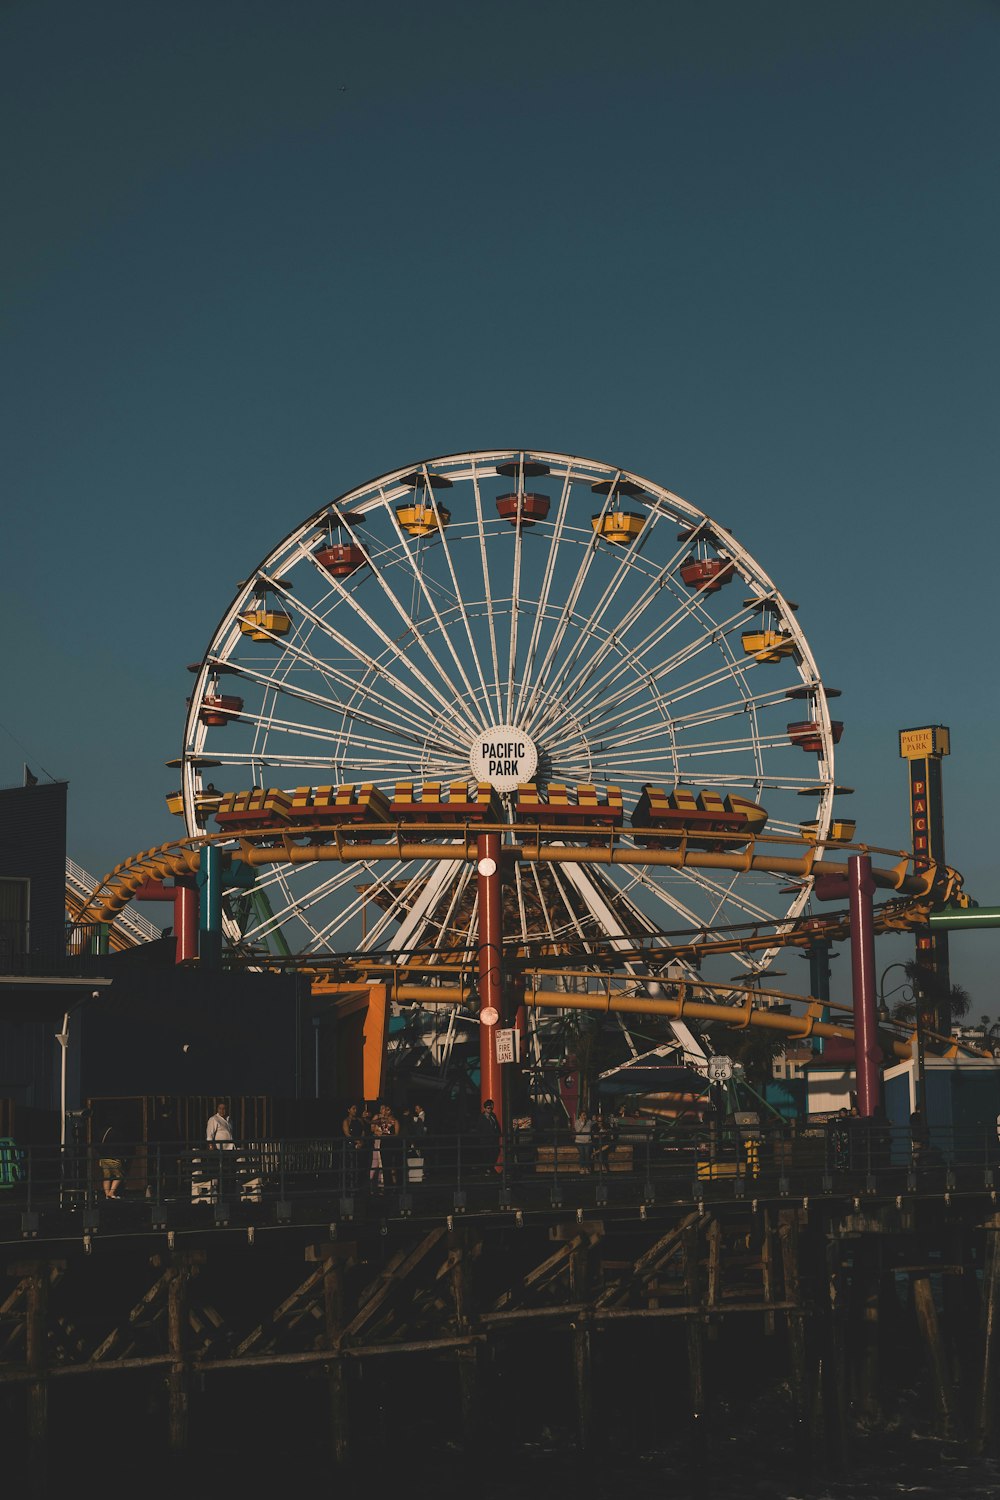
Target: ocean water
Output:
{"points": [[735, 1471], [749, 1465]]}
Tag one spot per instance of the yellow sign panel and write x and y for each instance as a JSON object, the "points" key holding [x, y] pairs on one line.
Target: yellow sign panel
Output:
{"points": [[914, 744]]}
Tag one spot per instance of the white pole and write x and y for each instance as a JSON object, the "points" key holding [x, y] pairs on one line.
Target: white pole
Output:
{"points": [[62, 1037]]}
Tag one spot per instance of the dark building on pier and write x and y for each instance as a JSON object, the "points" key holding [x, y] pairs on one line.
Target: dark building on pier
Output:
{"points": [[141, 1035]]}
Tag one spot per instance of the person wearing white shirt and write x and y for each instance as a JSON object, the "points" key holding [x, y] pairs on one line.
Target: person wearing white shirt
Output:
{"points": [[219, 1130], [219, 1134]]}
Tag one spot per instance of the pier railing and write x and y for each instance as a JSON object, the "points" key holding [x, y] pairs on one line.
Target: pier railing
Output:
{"points": [[283, 1181]]}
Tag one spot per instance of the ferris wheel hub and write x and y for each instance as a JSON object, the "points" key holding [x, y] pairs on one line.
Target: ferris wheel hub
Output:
{"points": [[504, 756]]}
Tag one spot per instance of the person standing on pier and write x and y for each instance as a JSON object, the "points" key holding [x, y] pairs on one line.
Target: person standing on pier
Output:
{"points": [[219, 1135], [392, 1147], [918, 1135], [415, 1131], [219, 1130], [111, 1164], [489, 1137], [582, 1133], [353, 1129], [839, 1141]]}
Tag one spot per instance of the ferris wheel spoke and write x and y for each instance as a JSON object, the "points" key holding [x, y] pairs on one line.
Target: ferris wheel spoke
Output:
{"points": [[342, 738], [389, 768], [568, 608], [645, 745], [563, 880], [409, 560], [720, 898], [459, 888], [679, 723], [333, 705], [583, 696], [591, 636], [646, 725], [543, 905], [460, 605], [589, 679], [432, 884], [522, 915], [396, 901], [363, 658], [723, 895], [292, 906], [406, 904], [753, 703], [594, 648], [621, 725], [488, 593], [298, 654], [642, 880], [515, 617], [523, 711]]}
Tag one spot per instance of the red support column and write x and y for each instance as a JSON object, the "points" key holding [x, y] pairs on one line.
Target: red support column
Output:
{"points": [[866, 1049], [154, 890], [490, 967], [186, 921], [519, 1021]]}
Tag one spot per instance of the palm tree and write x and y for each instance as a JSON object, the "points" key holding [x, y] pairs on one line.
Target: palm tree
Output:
{"points": [[950, 1002]]}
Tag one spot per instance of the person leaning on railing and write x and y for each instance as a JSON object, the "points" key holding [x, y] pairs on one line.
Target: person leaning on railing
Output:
{"points": [[582, 1135], [219, 1135], [111, 1164], [602, 1137], [353, 1129]]}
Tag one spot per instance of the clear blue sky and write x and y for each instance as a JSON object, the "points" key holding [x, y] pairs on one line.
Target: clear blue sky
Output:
{"points": [[255, 253]]}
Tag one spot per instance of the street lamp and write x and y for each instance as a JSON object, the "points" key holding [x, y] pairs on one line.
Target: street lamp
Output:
{"points": [[883, 1009], [883, 1015], [62, 1037]]}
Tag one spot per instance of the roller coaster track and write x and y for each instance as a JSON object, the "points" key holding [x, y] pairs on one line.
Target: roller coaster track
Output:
{"points": [[748, 1008], [917, 891], [130, 927], [401, 841]]}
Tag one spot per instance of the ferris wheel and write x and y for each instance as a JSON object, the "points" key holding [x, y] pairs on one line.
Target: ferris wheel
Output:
{"points": [[531, 623]]}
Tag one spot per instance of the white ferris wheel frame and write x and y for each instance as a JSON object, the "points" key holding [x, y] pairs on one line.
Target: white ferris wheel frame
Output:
{"points": [[432, 675]]}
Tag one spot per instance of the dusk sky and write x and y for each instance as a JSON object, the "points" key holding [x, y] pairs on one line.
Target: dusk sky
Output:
{"points": [[255, 254]]}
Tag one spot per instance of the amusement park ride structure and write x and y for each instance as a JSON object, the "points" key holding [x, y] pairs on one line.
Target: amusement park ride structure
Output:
{"points": [[512, 733]]}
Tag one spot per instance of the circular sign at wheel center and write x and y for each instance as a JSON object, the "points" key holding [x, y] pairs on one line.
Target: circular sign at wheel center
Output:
{"points": [[504, 756]]}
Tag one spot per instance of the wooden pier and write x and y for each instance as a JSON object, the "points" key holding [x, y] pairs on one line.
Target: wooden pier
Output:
{"points": [[341, 1338]]}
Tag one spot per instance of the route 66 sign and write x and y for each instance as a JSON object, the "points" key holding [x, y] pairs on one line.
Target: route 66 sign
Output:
{"points": [[720, 1069]]}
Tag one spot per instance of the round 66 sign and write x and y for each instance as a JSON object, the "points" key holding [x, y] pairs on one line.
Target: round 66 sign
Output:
{"points": [[503, 756]]}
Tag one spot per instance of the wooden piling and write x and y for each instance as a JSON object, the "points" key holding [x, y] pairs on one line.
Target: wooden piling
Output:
{"points": [[930, 1331], [986, 1413], [695, 1337], [467, 1358], [767, 1259], [178, 1428], [36, 1288], [788, 1239], [579, 1280], [831, 1386], [334, 1259], [865, 1332]]}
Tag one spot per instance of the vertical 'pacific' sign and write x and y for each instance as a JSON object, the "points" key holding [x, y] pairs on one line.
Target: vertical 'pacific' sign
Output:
{"points": [[924, 750]]}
